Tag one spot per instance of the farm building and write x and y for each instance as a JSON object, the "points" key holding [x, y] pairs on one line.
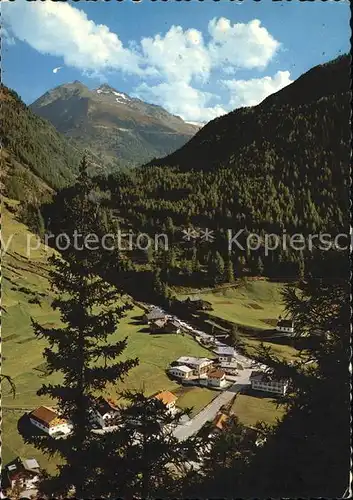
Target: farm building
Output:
{"points": [[165, 326], [167, 398], [225, 354], [49, 421], [217, 378], [197, 304], [285, 326], [154, 315]]}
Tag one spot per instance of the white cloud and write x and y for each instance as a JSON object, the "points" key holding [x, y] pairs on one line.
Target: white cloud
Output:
{"points": [[64, 31], [182, 58], [241, 45], [55, 70], [179, 61], [6, 37], [178, 55], [252, 92], [182, 99]]}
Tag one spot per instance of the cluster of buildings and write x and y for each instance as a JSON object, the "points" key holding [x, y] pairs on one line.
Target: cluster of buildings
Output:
{"points": [[104, 415], [201, 371], [25, 473], [198, 371], [213, 373], [205, 371]]}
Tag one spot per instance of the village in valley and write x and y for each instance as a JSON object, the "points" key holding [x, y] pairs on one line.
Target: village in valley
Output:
{"points": [[225, 372], [175, 247]]}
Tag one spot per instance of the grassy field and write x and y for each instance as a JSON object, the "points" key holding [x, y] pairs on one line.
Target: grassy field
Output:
{"points": [[155, 352], [195, 398], [253, 305], [251, 409], [26, 294]]}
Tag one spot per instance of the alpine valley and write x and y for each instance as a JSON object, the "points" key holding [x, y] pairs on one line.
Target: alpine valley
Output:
{"points": [[194, 369]]}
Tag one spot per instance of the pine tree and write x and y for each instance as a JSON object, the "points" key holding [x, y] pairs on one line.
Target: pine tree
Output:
{"points": [[80, 348], [216, 268], [257, 265], [235, 338], [320, 308], [240, 265], [157, 284], [229, 271], [301, 266], [196, 266]]}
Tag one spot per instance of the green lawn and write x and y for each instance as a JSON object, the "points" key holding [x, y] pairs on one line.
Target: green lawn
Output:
{"points": [[155, 352], [252, 409], [196, 398], [25, 279], [254, 305]]}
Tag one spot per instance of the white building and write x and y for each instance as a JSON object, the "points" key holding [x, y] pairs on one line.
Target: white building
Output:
{"points": [[285, 326], [49, 421], [198, 365], [105, 413], [182, 372], [225, 354], [262, 381], [217, 378]]}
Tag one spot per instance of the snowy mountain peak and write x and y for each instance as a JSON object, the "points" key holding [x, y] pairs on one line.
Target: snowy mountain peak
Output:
{"points": [[120, 97]]}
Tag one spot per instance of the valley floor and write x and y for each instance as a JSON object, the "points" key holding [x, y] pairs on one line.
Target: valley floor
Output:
{"points": [[26, 294]]}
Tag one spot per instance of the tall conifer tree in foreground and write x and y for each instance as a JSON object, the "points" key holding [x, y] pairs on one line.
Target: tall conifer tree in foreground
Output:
{"points": [[80, 349]]}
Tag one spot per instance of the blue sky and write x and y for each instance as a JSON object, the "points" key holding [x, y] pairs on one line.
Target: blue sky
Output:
{"points": [[197, 59]]}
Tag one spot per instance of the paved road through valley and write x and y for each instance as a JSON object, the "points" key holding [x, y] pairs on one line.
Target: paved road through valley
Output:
{"points": [[190, 428]]}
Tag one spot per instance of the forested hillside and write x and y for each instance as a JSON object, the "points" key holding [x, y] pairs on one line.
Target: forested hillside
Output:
{"points": [[35, 158], [280, 167], [285, 120]]}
